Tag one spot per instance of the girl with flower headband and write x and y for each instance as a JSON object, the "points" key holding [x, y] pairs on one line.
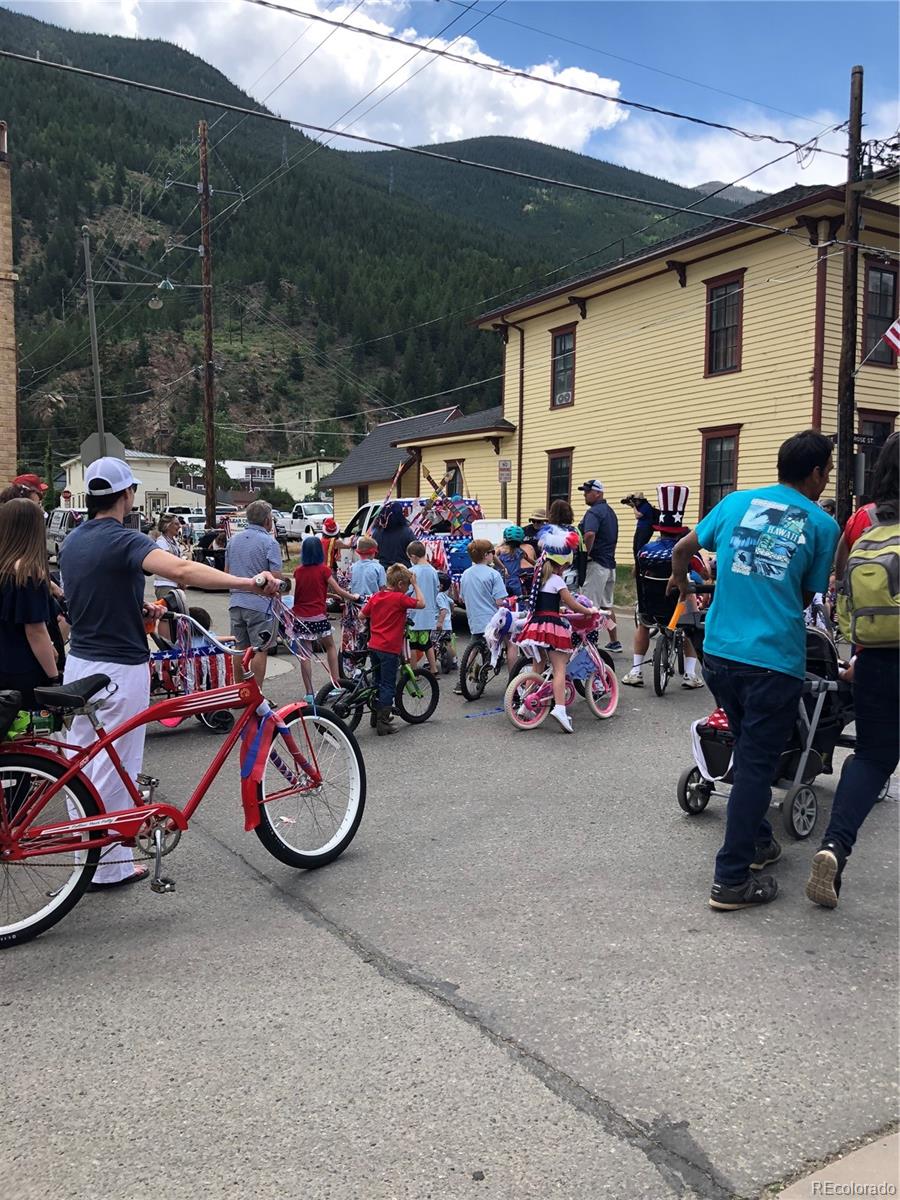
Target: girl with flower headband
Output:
{"points": [[547, 630]]}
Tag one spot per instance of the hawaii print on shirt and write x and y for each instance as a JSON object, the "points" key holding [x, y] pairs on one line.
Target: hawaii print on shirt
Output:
{"points": [[767, 537]]}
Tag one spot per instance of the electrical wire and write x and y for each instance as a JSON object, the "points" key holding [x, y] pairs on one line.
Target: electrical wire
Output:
{"points": [[513, 73], [419, 150]]}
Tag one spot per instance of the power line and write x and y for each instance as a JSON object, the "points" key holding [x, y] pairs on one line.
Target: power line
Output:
{"points": [[633, 62], [513, 73], [420, 151]]}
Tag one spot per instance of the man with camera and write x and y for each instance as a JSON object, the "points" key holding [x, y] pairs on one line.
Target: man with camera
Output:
{"points": [[601, 533], [646, 517]]}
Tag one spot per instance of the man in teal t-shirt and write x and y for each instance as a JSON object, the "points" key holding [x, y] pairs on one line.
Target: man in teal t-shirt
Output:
{"points": [[774, 548]]}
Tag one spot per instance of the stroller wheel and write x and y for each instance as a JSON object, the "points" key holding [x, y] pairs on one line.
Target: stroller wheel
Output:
{"points": [[800, 811], [693, 791]]}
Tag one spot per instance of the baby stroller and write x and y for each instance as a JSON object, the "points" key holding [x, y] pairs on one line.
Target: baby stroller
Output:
{"points": [[824, 712]]}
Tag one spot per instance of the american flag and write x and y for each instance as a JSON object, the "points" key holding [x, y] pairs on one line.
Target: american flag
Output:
{"points": [[892, 336]]}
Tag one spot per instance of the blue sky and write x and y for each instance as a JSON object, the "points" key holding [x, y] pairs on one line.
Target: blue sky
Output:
{"points": [[794, 57]]}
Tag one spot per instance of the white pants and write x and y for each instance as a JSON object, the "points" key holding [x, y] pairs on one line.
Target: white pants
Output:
{"points": [[132, 694]]}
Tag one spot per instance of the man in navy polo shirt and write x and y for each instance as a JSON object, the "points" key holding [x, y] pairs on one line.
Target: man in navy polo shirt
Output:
{"points": [[601, 533]]}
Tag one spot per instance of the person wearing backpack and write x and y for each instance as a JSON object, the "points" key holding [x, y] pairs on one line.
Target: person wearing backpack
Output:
{"points": [[869, 615]]}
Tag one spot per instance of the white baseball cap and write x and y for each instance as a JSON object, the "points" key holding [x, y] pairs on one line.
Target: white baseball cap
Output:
{"points": [[591, 485], [106, 476]]}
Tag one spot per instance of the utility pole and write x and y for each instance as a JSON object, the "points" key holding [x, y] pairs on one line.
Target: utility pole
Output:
{"points": [[209, 382], [850, 305], [95, 354]]}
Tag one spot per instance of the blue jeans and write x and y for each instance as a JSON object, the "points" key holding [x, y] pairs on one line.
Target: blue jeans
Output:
{"points": [[385, 672], [761, 706], [876, 700]]}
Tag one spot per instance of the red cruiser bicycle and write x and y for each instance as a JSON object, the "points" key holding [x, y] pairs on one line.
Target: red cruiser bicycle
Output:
{"points": [[303, 790]]}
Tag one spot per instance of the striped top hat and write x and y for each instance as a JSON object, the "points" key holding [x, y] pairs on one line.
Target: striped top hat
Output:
{"points": [[672, 500]]}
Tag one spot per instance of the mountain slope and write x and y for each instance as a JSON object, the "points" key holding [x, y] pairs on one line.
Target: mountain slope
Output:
{"points": [[308, 275]]}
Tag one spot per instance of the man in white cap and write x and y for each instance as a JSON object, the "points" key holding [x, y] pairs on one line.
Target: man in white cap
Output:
{"points": [[601, 532], [103, 567]]}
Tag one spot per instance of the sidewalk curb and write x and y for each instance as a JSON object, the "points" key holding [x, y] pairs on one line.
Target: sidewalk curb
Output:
{"points": [[872, 1170]]}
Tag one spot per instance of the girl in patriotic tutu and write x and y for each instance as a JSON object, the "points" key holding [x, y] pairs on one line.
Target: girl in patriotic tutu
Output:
{"points": [[546, 631]]}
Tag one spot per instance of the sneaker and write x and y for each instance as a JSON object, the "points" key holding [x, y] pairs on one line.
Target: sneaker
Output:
{"points": [[765, 854], [634, 678], [559, 713], [692, 681], [614, 647], [824, 883], [457, 691], [757, 889]]}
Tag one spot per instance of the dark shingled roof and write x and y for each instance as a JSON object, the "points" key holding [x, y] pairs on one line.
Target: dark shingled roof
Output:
{"points": [[375, 458], [760, 208], [488, 418]]}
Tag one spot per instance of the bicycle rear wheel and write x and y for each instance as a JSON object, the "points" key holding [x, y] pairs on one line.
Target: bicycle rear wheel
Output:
{"points": [[474, 669], [417, 698], [341, 701], [37, 892], [306, 826], [514, 701]]}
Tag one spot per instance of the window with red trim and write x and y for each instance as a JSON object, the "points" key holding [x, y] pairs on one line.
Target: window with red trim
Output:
{"points": [[718, 473], [562, 367], [879, 426], [559, 475], [724, 323], [879, 311]]}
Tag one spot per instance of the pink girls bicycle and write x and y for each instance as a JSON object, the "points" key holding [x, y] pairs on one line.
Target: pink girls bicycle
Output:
{"points": [[529, 697], [302, 786]]}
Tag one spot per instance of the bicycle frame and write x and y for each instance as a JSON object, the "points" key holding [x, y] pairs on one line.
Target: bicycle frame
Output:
{"points": [[125, 824]]}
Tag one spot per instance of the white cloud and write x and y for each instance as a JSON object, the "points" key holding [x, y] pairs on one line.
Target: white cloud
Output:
{"points": [[693, 155], [439, 100]]}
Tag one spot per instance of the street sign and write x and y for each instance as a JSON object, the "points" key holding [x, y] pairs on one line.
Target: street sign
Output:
{"points": [[868, 440], [504, 470], [90, 448]]}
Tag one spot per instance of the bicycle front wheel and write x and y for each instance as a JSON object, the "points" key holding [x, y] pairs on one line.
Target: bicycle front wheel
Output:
{"points": [[303, 824], [416, 698], [515, 701], [663, 667], [37, 892]]}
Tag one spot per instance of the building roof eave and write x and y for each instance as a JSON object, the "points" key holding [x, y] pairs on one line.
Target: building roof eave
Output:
{"points": [[498, 429]]}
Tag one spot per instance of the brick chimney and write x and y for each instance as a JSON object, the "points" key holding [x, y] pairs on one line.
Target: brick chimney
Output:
{"points": [[8, 364]]}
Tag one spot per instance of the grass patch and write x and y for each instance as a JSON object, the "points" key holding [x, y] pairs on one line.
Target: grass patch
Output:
{"points": [[625, 587]]}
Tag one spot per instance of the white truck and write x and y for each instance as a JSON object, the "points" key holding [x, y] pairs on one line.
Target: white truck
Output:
{"points": [[306, 518]]}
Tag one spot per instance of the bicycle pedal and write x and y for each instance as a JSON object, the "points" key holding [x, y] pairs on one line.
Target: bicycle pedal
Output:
{"points": [[162, 885]]}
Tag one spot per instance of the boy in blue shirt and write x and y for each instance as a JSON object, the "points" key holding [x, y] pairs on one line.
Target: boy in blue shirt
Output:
{"points": [[481, 588], [424, 620], [367, 574], [774, 548]]}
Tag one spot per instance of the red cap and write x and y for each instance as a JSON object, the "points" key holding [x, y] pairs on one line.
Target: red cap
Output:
{"points": [[32, 481], [330, 525]]}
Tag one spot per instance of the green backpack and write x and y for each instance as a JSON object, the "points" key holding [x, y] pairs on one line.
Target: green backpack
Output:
{"points": [[868, 599]]}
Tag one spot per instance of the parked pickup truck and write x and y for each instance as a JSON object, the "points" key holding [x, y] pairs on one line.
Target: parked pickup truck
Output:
{"points": [[306, 518], [446, 549]]}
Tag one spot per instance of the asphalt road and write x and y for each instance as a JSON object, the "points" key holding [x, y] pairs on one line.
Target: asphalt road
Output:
{"points": [[509, 986]]}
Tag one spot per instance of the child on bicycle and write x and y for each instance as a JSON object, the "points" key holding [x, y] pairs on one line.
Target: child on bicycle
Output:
{"points": [[386, 612], [424, 623], [516, 560], [546, 631], [481, 589]]}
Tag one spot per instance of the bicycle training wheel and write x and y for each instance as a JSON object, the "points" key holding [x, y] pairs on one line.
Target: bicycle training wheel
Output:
{"points": [[515, 701], [474, 669], [417, 698], [601, 691], [663, 665], [341, 702], [305, 824], [37, 892]]}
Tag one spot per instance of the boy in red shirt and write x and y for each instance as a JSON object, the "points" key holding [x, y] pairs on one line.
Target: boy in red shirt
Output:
{"points": [[386, 611]]}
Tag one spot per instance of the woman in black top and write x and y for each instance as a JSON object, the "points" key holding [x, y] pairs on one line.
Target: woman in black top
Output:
{"points": [[27, 657]]}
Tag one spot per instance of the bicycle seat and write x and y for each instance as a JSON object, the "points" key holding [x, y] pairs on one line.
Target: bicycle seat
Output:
{"points": [[71, 696]]}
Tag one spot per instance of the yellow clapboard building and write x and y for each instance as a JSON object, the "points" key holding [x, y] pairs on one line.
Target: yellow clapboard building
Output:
{"points": [[689, 361]]}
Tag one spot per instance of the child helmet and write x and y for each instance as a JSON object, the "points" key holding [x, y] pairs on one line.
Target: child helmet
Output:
{"points": [[514, 533]]}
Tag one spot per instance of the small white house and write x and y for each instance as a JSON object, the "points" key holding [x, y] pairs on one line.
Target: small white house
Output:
{"points": [[154, 471], [300, 477], [252, 475]]}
